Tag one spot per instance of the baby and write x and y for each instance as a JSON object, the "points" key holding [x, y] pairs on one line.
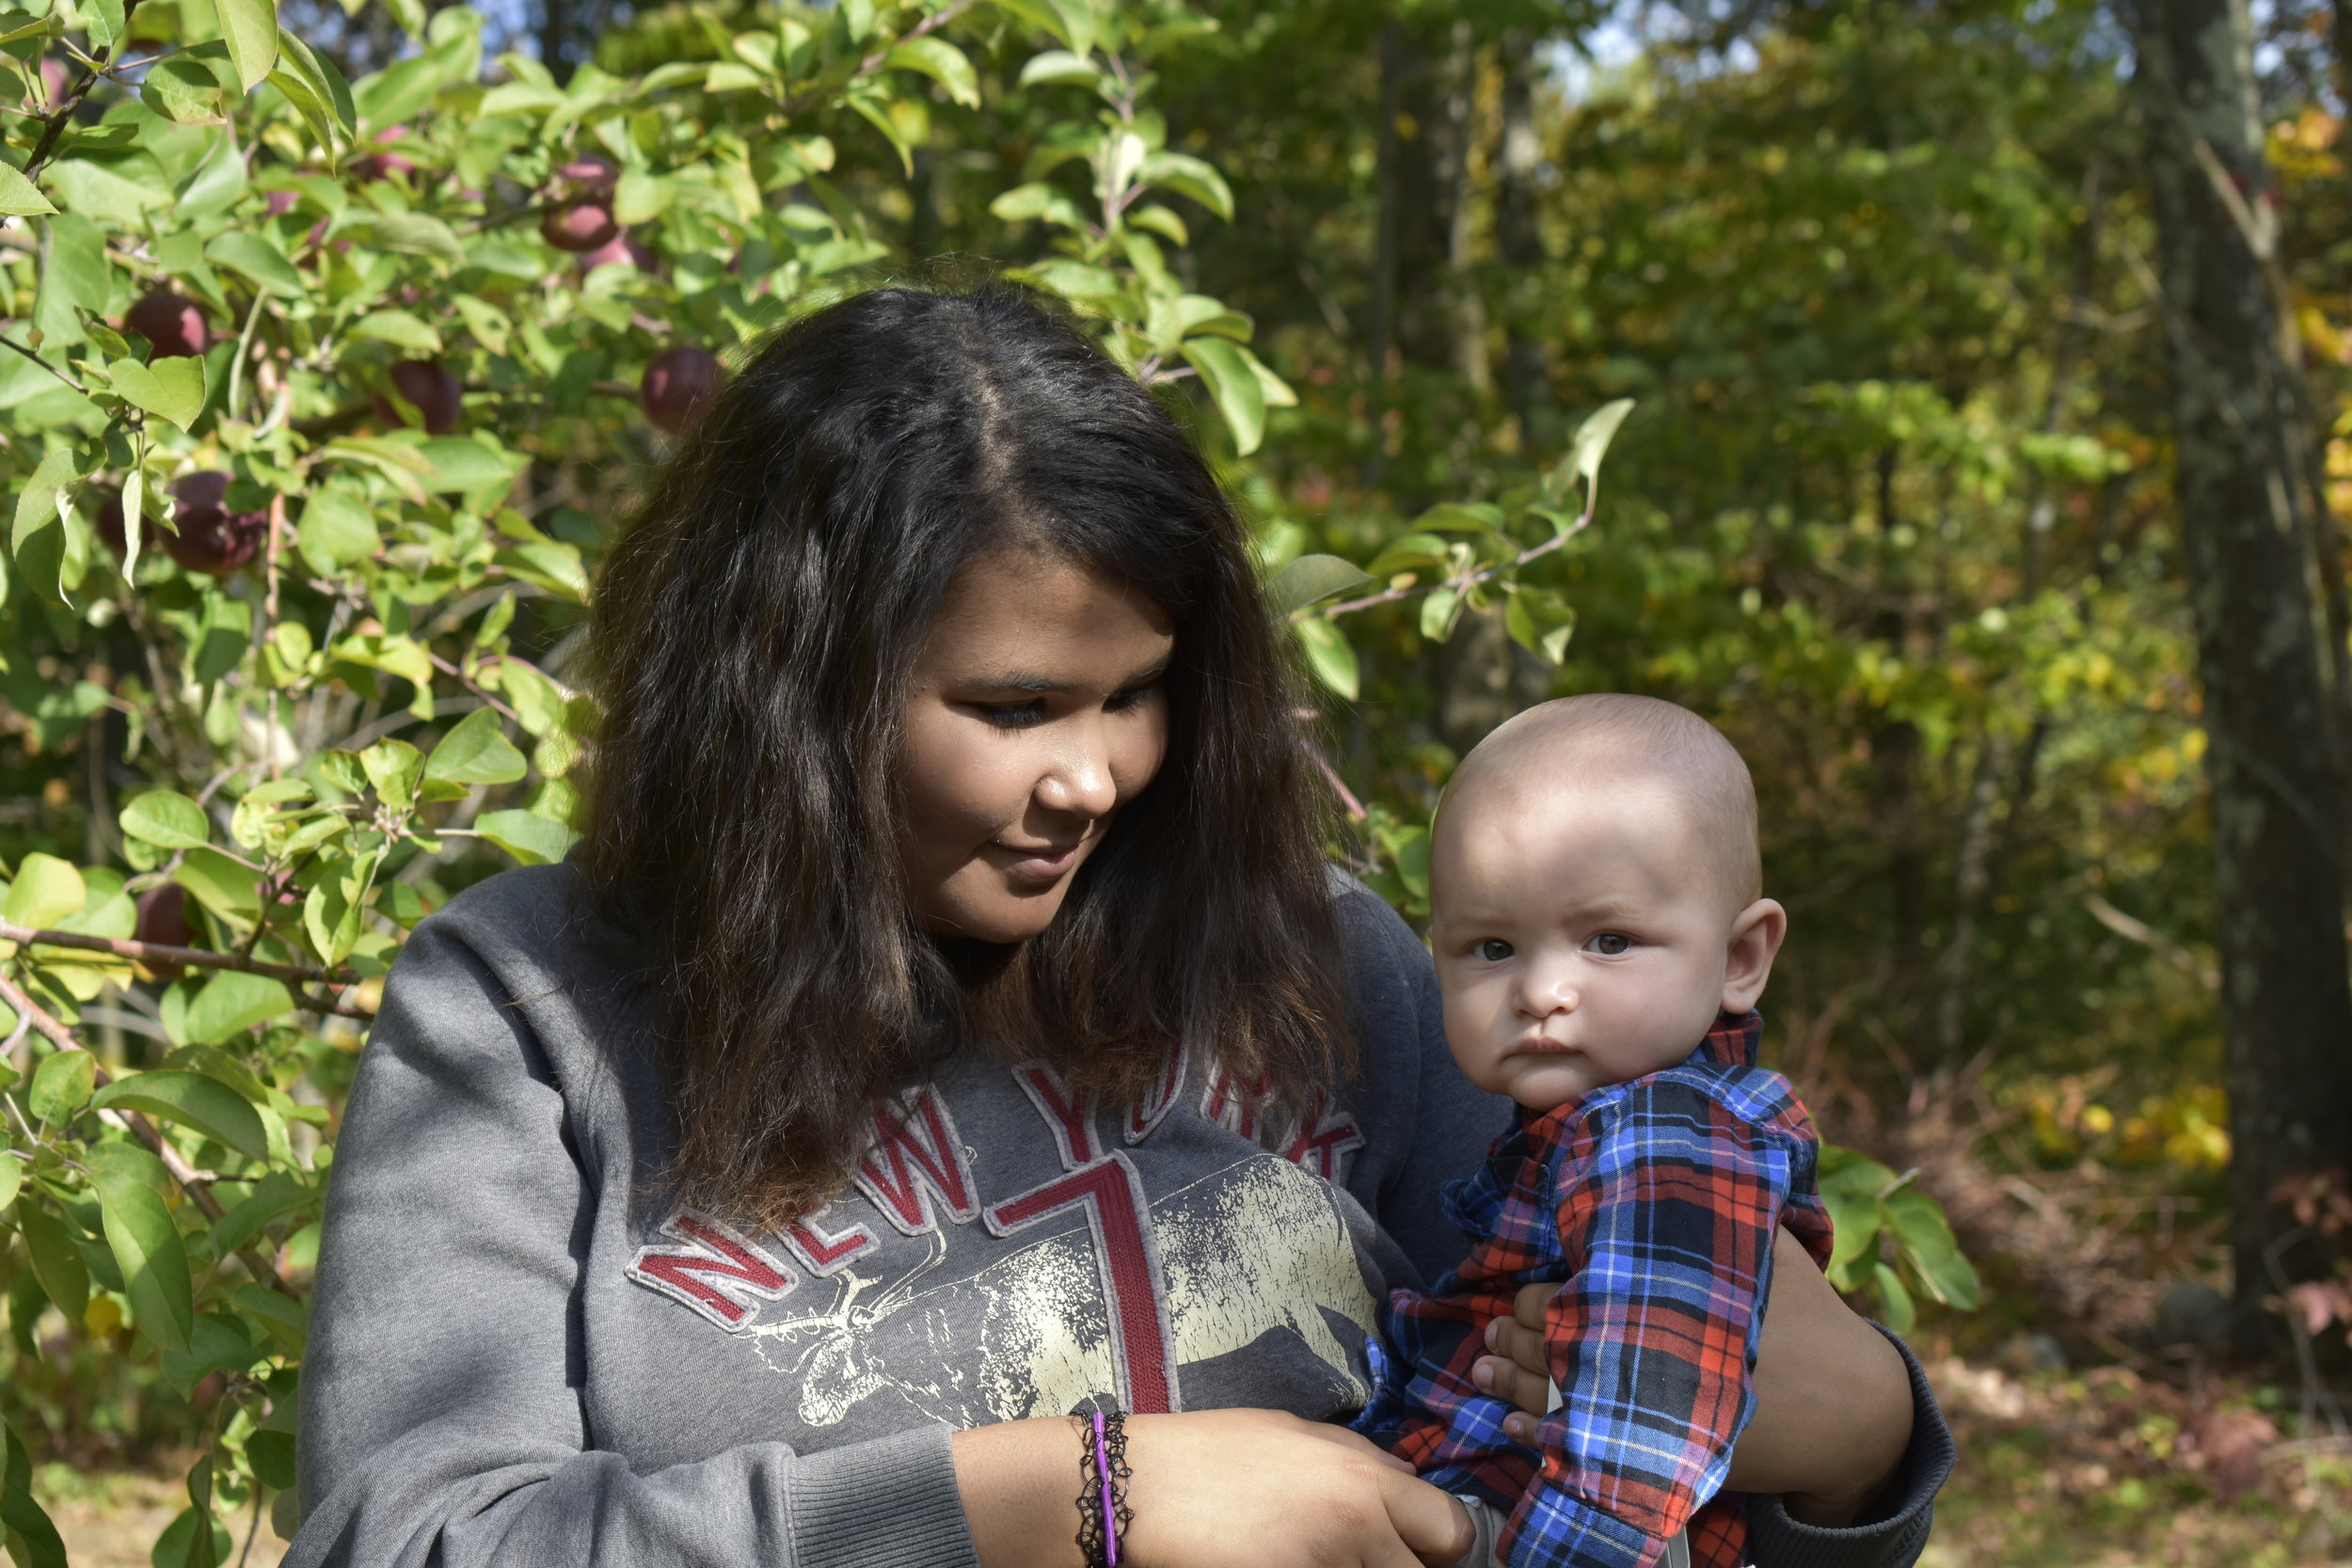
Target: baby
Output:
{"points": [[1601, 942]]}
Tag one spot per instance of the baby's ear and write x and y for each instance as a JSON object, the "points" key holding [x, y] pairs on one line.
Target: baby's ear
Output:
{"points": [[1756, 933]]}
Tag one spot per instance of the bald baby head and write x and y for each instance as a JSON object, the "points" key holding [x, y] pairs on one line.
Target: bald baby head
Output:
{"points": [[1615, 740]]}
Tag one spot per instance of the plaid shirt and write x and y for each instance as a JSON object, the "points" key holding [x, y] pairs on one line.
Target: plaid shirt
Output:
{"points": [[1654, 1204]]}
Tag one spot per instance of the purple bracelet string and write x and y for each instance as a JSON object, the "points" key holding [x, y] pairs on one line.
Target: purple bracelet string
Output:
{"points": [[1110, 1521]]}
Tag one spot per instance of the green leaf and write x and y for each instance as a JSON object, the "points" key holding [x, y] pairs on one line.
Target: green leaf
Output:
{"points": [[1311, 580], [11, 1177], [418, 233], [46, 890], [275, 1196], [393, 767], [185, 88], [1590, 445], [1188, 176], [476, 752], [943, 63], [1440, 612], [250, 29], [39, 539], [640, 197], [166, 819], [1924, 1240], [530, 838], [56, 1262], [398, 328], [1060, 65], [145, 1239], [1330, 655], [1224, 369], [18, 198], [285, 1321], [232, 1001], [331, 911], [244, 251], [61, 1085], [217, 1343], [193, 1100], [221, 884], [1895, 1304], [23, 1518], [336, 529], [172, 389], [272, 1456]]}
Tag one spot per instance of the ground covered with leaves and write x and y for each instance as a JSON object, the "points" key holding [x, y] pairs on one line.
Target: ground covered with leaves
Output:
{"points": [[2111, 1469]]}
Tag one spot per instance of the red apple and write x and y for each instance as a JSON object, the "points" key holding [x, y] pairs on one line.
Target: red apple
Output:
{"points": [[174, 323], [592, 175], [438, 396], [579, 225], [212, 539], [678, 386], [619, 250], [164, 920], [383, 165], [282, 202]]}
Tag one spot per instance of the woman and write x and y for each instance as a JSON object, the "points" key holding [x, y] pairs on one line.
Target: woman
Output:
{"points": [[948, 1024]]}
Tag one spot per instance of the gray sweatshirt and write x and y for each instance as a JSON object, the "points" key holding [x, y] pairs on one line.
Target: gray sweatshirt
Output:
{"points": [[519, 1355]]}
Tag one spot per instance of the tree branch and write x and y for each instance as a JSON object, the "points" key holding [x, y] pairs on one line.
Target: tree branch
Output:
{"points": [[196, 957], [63, 113]]}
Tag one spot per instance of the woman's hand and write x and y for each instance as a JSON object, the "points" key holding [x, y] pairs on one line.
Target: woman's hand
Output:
{"points": [[1832, 1402], [1209, 1489]]}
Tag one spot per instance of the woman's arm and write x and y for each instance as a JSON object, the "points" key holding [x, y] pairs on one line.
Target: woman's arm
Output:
{"points": [[1209, 1489], [441, 1418]]}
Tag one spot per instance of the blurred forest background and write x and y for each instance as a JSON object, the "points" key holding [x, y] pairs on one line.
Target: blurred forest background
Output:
{"points": [[1897, 506]]}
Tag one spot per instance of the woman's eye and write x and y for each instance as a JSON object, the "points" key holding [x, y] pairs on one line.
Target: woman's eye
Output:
{"points": [[1609, 944], [1494, 950], [1013, 716], [1134, 696]]}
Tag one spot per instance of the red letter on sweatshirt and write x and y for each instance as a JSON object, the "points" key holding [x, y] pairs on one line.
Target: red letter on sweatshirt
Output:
{"points": [[917, 1152], [714, 1273]]}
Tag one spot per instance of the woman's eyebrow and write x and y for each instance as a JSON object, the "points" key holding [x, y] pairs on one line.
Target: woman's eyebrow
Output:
{"points": [[1022, 680]]}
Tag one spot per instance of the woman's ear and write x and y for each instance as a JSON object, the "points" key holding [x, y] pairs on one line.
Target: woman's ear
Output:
{"points": [[1756, 933]]}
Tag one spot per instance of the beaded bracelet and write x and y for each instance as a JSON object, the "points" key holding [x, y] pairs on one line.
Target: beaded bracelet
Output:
{"points": [[1102, 1512]]}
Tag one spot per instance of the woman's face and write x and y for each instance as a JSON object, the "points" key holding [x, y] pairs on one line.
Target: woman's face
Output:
{"points": [[1036, 711]]}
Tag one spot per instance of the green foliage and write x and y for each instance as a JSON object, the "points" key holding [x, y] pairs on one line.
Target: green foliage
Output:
{"points": [[278, 714]]}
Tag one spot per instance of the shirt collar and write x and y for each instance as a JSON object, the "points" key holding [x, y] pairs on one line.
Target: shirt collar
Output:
{"points": [[1733, 1040]]}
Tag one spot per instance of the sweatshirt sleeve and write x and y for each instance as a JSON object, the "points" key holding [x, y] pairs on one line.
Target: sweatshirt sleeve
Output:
{"points": [[441, 1417], [1892, 1534]]}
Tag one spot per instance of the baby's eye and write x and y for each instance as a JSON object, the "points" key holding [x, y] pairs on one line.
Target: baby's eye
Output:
{"points": [[1494, 950], [1609, 944]]}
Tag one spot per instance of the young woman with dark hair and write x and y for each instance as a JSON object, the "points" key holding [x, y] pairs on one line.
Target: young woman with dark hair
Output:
{"points": [[946, 1026]]}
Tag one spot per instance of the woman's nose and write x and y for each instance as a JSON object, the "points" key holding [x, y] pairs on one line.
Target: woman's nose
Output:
{"points": [[1080, 782]]}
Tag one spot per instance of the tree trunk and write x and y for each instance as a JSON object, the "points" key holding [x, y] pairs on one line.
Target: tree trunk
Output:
{"points": [[2279, 881], [1466, 311], [1519, 238]]}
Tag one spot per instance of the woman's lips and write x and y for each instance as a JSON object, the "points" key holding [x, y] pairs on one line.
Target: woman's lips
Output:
{"points": [[1039, 863]]}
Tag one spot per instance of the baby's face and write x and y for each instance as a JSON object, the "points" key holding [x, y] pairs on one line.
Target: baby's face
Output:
{"points": [[1581, 937]]}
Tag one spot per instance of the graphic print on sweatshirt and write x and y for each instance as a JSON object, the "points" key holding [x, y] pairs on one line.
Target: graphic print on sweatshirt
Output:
{"points": [[1123, 1250]]}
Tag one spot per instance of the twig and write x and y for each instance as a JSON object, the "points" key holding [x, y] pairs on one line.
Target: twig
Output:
{"points": [[446, 668], [1461, 583], [1356, 812], [11, 342], [156, 952], [79, 90]]}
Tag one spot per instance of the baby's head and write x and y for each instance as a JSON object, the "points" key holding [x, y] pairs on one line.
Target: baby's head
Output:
{"points": [[1595, 883]]}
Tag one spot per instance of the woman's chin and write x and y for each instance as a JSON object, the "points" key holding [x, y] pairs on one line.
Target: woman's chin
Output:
{"points": [[1002, 914]]}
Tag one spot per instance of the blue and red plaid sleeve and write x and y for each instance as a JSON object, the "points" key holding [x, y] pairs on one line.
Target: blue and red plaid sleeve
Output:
{"points": [[1655, 1203]]}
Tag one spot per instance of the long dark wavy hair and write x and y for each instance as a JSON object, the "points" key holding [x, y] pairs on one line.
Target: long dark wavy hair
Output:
{"points": [[752, 640]]}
